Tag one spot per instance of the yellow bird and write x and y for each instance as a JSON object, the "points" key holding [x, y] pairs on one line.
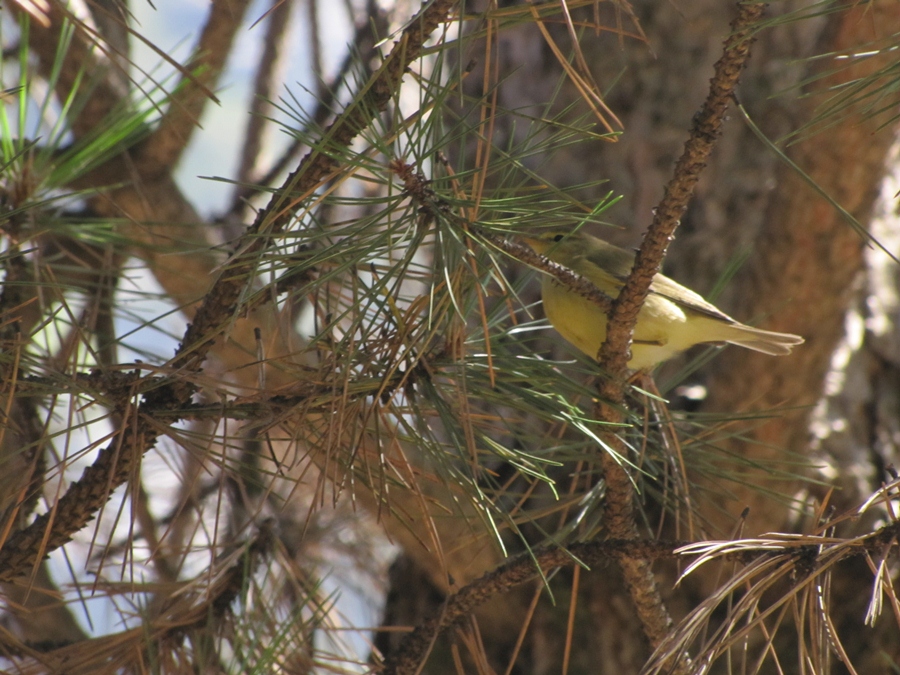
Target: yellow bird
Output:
{"points": [[672, 319]]}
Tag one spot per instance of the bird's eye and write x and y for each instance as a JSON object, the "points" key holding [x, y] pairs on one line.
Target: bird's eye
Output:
{"points": [[559, 237]]}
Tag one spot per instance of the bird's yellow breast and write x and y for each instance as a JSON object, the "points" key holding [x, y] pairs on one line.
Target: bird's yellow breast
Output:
{"points": [[660, 333]]}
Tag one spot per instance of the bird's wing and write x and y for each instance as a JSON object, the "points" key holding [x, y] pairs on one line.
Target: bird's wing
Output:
{"points": [[686, 298], [619, 262]]}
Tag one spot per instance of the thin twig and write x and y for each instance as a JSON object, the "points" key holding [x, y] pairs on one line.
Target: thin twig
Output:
{"points": [[364, 46], [431, 205], [573, 281], [263, 85], [167, 143]]}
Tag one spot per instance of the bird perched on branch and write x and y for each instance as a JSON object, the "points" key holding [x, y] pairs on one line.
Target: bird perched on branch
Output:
{"points": [[672, 319]]}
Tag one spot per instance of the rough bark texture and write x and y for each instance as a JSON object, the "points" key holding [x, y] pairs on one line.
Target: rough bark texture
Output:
{"points": [[803, 270]]}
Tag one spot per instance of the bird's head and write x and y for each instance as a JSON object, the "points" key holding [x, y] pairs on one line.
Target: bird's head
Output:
{"points": [[560, 244]]}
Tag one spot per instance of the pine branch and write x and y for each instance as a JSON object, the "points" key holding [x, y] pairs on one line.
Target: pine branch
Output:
{"points": [[364, 40], [614, 352], [118, 461], [799, 558], [414, 648]]}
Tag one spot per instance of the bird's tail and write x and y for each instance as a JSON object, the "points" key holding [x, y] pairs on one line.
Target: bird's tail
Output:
{"points": [[765, 341]]}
